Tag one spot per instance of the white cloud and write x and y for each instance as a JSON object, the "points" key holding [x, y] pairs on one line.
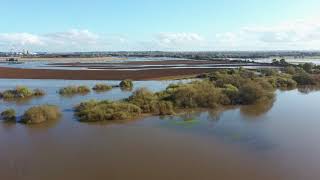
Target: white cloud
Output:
{"points": [[174, 41], [178, 38], [20, 39], [73, 37], [294, 35], [72, 40]]}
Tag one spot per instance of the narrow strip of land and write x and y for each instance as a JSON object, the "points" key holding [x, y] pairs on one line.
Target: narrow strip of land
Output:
{"points": [[17, 73], [135, 70]]}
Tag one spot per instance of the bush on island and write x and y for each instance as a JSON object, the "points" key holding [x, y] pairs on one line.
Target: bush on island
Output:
{"points": [[126, 84], [21, 92], [40, 114], [9, 115], [95, 111], [102, 87], [72, 90]]}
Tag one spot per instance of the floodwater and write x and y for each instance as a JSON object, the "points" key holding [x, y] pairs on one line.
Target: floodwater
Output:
{"points": [[108, 65], [117, 64], [45, 64], [292, 60], [277, 140]]}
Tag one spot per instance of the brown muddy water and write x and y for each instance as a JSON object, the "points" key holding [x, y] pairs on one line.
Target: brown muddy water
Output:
{"points": [[278, 140]]}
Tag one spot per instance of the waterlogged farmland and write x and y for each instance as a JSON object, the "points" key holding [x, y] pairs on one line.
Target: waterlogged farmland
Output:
{"points": [[270, 138], [160, 90], [218, 122]]}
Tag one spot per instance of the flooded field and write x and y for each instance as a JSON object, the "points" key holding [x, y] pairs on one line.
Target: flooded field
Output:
{"points": [[151, 63], [49, 64], [314, 60], [265, 141], [130, 64]]}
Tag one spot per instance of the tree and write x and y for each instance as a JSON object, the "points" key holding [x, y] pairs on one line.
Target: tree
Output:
{"points": [[308, 67]]}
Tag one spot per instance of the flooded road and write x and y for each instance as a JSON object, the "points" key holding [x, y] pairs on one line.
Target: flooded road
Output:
{"points": [[278, 140]]}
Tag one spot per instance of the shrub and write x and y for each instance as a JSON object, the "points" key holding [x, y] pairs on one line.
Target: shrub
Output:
{"points": [[244, 86], [304, 79], [9, 94], [283, 62], [251, 92], [184, 97], [93, 111], [9, 115], [144, 99], [232, 93], [167, 94], [264, 83], [201, 94], [244, 73], [72, 90], [126, 84], [83, 89], [24, 91], [38, 92], [268, 72], [40, 114], [290, 70], [150, 102], [163, 108], [233, 77], [21, 92], [285, 83], [102, 87], [308, 67]]}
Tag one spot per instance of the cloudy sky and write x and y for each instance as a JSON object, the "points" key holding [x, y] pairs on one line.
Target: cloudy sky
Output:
{"points": [[168, 25]]}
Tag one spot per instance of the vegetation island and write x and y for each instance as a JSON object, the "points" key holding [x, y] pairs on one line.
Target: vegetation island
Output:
{"points": [[222, 87]]}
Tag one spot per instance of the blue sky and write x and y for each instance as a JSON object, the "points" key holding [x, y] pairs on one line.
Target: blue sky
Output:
{"points": [[78, 25]]}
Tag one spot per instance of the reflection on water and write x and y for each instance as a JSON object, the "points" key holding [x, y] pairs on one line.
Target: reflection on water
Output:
{"points": [[308, 89], [42, 126], [314, 60], [258, 109], [214, 123], [269, 140], [21, 101]]}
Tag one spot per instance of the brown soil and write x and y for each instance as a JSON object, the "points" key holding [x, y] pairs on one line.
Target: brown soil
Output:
{"points": [[169, 62], [16, 73]]}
